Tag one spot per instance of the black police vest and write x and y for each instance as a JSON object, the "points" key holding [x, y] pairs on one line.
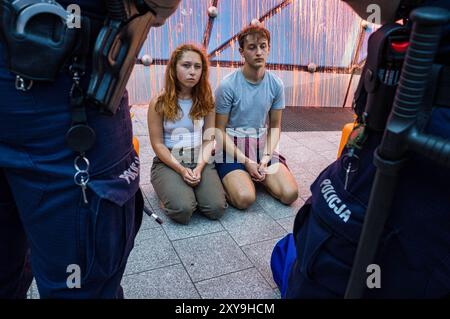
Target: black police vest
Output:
{"points": [[414, 253]]}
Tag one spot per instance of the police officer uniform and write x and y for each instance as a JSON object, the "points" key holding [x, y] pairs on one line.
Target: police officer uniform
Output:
{"points": [[414, 254], [43, 211]]}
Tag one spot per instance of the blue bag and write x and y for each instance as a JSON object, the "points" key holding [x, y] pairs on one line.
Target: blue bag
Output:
{"points": [[283, 256]]}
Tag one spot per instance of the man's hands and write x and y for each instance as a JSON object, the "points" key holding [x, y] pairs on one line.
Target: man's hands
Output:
{"points": [[258, 171], [252, 169], [263, 164]]}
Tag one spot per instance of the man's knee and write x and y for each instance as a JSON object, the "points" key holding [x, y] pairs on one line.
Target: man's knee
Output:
{"points": [[243, 200], [289, 196]]}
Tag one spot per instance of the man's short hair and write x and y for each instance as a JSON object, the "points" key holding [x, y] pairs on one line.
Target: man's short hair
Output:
{"points": [[253, 29]]}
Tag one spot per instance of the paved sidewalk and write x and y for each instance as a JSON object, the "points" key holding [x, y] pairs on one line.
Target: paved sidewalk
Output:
{"points": [[228, 258]]}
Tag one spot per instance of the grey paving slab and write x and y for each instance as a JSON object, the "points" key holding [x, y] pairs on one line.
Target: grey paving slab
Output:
{"points": [[259, 254], [304, 187], [277, 293], [152, 199], [144, 141], [324, 144], [148, 222], [146, 156], [145, 148], [287, 141], [275, 208], [246, 284], [250, 226], [331, 156], [333, 136], [145, 171], [140, 110], [147, 190], [307, 177], [167, 259], [318, 144], [288, 222], [170, 282], [33, 292], [139, 129], [299, 136], [298, 155], [211, 255], [135, 120], [199, 225], [154, 252], [146, 151], [293, 136], [146, 233], [318, 165], [299, 169]]}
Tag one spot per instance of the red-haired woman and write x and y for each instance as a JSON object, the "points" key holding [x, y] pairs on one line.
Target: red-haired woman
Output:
{"points": [[180, 121]]}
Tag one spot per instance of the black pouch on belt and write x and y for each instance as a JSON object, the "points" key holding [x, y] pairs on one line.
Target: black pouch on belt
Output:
{"points": [[37, 37], [116, 50]]}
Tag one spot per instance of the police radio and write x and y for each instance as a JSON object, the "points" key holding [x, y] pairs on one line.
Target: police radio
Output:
{"points": [[381, 73], [118, 45], [387, 47], [115, 52]]}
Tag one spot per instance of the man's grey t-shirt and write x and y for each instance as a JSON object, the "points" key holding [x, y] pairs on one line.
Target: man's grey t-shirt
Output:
{"points": [[248, 104]]}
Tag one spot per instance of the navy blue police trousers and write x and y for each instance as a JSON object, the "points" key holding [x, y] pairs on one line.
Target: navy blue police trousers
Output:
{"points": [[45, 226]]}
